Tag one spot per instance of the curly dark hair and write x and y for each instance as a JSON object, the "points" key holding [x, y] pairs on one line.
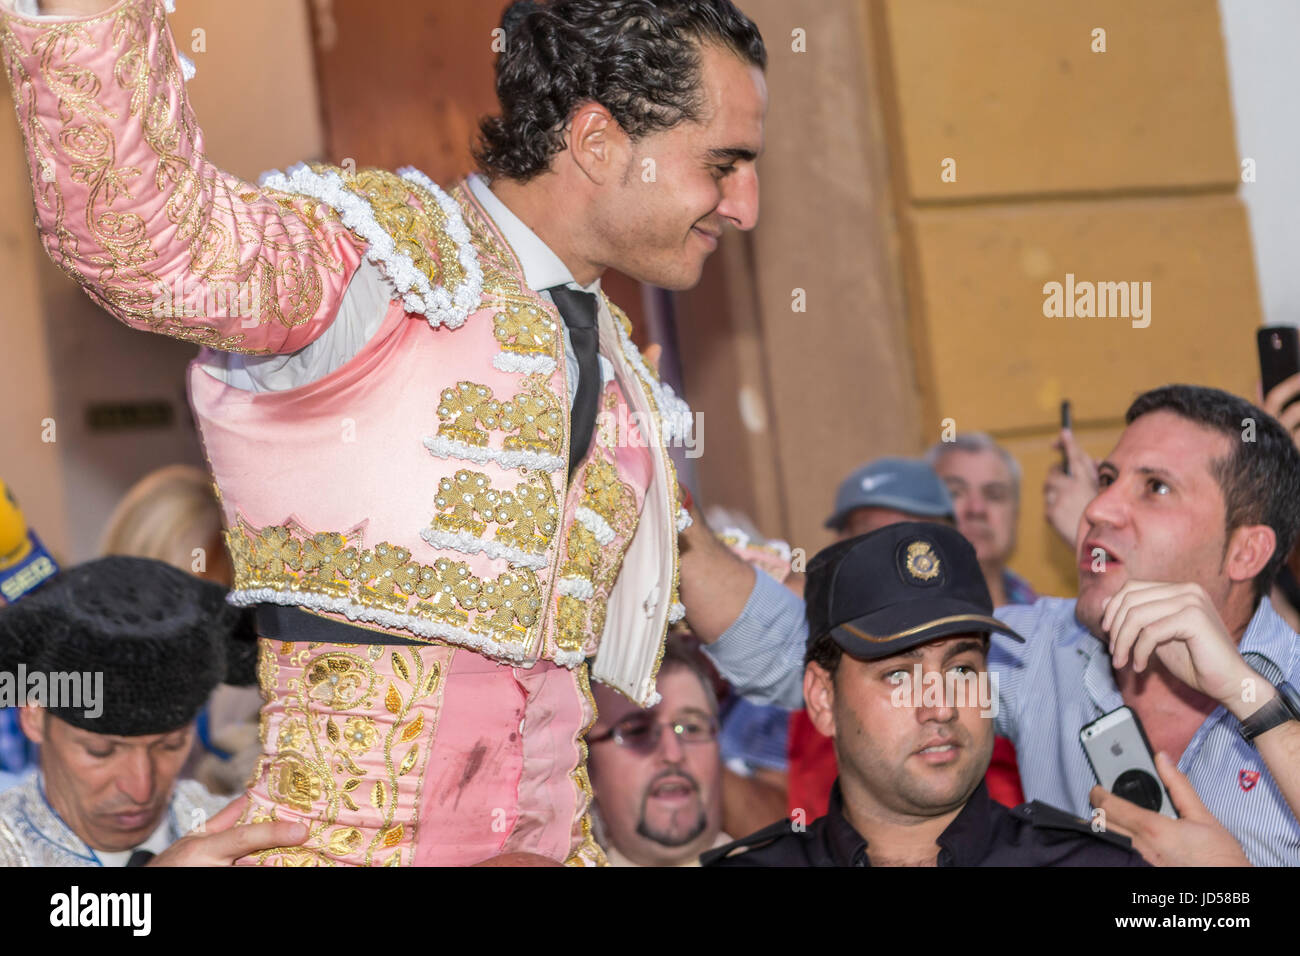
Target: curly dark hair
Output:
{"points": [[1260, 479], [640, 59]]}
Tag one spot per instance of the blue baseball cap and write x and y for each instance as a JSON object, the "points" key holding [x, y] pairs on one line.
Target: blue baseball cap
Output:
{"points": [[908, 485]]}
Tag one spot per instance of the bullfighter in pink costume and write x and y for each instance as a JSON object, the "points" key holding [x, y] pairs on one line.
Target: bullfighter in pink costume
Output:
{"points": [[440, 458]]}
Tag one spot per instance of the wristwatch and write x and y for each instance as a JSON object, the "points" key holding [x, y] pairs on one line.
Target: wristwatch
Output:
{"points": [[1285, 706]]}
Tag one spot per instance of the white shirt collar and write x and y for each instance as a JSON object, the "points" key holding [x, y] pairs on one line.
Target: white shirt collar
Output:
{"points": [[542, 267]]}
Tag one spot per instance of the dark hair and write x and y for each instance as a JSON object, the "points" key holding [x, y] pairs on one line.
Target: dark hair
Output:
{"points": [[1260, 479], [678, 655], [640, 59], [821, 648]]}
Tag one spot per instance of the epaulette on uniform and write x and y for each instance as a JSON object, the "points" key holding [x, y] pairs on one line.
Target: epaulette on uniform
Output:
{"points": [[1042, 816], [758, 838]]}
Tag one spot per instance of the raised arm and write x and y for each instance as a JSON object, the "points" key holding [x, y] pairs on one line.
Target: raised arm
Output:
{"points": [[128, 205]]}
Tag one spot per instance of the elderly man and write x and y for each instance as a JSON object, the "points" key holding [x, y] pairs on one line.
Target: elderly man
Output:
{"points": [[984, 481], [657, 773], [898, 627], [143, 644]]}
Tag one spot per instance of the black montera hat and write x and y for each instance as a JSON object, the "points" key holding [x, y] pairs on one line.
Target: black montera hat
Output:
{"points": [[162, 639], [905, 584]]}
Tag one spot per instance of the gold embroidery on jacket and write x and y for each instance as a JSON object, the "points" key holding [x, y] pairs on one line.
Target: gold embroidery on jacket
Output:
{"points": [[415, 227], [289, 560], [525, 329], [325, 727], [119, 269], [527, 516], [469, 412]]}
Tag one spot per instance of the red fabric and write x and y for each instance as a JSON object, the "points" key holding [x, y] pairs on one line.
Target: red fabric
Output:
{"points": [[1003, 777], [813, 770]]}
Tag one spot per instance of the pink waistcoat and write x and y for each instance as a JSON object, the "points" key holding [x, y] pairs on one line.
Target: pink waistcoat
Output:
{"points": [[420, 489]]}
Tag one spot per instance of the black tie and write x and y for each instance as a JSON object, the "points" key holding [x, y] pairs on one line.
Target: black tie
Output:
{"points": [[578, 309], [140, 858]]}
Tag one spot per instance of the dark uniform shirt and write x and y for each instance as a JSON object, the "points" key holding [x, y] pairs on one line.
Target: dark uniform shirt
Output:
{"points": [[984, 833]]}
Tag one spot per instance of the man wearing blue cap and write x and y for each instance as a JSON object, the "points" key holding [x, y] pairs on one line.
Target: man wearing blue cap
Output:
{"points": [[899, 623]]}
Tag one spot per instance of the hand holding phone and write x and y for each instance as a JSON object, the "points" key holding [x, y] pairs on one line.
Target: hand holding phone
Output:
{"points": [[1120, 756]]}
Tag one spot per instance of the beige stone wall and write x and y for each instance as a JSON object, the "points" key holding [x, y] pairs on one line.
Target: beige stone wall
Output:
{"points": [[1114, 166]]}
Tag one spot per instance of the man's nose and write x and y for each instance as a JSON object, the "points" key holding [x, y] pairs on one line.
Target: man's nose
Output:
{"points": [[670, 746], [936, 703], [1106, 507], [136, 777], [739, 204]]}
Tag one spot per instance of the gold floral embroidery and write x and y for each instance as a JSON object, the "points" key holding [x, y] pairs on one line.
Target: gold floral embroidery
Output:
{"points": [[321, 737], [217, 218], [417, 227], [527, 516], [526, 329], [571, 624], [287, 559]]}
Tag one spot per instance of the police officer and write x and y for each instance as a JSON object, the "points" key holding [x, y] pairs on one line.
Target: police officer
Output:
{"points": [[899, 623]]}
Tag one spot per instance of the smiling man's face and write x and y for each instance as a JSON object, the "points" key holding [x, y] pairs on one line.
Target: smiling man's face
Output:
{"points": [[660, 805], [1159, 515]]}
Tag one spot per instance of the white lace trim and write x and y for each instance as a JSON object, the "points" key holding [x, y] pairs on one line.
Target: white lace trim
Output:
{"points": [[470, 294], [569, 659], [684, 519], [419, 295], [575, 587], [675, 415], [509, 460], [422, 627], [523, 364], [676, 611], [594, 523], [450, 448], [470, 544]]}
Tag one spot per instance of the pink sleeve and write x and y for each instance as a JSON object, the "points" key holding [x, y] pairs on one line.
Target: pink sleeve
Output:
{"points": [[127, 204]]}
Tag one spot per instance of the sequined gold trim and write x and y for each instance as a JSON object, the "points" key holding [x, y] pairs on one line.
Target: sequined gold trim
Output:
{"points": [[526, 517], [469, 412], [588, 852], [291, 565]]}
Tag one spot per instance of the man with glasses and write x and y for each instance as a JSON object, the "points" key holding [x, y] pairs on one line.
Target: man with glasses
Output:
{"points": [[657, 773]]}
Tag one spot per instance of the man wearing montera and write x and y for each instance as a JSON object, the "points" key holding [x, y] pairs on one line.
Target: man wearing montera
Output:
{"points": [[418, 440], [898, 633], [155, 642], [1198, 505]]}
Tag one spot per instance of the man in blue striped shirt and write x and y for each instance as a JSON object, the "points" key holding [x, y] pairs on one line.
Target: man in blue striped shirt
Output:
{"points": [[1203, 489]]}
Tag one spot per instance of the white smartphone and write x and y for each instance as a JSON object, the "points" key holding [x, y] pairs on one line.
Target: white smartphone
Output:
{"points": [[1120, 756]]}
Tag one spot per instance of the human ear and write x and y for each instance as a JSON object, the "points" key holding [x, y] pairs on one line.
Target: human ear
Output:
{"points": [[594, 141], [1249, 550], [819, 698], [32, 721]]}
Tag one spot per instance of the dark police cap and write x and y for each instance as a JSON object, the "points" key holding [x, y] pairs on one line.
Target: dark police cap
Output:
{"points": [[162, 639], [906, 584]]}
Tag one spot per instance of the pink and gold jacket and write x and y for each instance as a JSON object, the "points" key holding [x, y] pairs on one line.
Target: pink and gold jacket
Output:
{"points": [[421, 489]]}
